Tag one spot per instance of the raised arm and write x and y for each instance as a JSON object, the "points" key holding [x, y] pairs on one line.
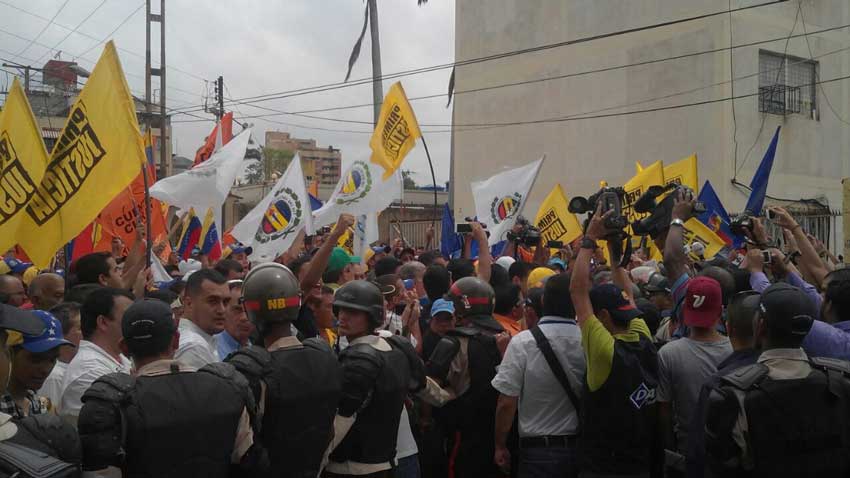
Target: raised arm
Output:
{"points": [[580, 281], [320, 260], [809, 259], [485, 260], [674, 252]]}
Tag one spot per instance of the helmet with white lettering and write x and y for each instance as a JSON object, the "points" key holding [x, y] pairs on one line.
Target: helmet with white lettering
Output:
{"points": [[271, 294]]}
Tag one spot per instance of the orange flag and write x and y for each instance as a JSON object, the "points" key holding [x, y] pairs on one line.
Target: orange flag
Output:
{"points": [[205, 151]]}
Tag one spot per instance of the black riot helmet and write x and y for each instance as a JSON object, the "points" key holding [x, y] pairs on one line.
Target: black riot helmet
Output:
{"points": [[361, 295], [271, 294], [472, 296]]}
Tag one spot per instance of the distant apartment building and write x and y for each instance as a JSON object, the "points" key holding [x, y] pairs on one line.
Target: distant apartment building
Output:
{"points": [[317, 162]]}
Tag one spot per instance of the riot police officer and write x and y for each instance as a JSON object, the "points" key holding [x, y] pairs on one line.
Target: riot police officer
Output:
{"points": [[161, 421], [298, 384], [470, 418], [377, 375], [38, 445]]}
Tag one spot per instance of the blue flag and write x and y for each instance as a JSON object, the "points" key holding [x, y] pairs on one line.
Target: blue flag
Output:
{"points": [[715, 216], [451, 243], [759, 183], [315, 203]]}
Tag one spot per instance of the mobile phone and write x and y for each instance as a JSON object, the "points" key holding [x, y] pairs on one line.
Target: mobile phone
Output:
{"points": [[555, 244], [765, 256], [463, 228], [771, 215], [408, 284]]}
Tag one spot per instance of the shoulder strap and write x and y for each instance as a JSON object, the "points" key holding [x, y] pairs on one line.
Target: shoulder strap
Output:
{"points": [[746, 377], [555, 365]]}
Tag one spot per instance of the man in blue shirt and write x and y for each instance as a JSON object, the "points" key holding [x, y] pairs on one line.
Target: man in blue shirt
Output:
{"points": [[237, 327]]}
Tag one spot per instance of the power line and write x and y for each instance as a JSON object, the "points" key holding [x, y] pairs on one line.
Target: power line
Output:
{"points": [[49, 22], [112, 33], [362, 81], [92, 37], [811, 56], [83, 21]]}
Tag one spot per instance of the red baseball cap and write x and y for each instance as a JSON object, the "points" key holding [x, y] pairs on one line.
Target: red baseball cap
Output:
{"points": [[703, 302]]}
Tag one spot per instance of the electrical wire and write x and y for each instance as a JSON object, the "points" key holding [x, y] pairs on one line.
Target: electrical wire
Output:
{"points": [[775, 83], [732, 86], [49, 22], [82, 22], [369, 80], [92, 37], [811, 56], [112, 33]]}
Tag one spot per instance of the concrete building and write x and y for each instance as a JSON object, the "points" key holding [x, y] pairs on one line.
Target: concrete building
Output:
{"points": [[728, 137], [317, 162]]}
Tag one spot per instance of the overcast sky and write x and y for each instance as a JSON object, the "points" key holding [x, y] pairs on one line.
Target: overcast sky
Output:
{"points": [[260, 47]]}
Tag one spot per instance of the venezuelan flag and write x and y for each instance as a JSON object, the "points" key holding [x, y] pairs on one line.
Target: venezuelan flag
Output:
{"points": [[191, 235], [211, 245]]}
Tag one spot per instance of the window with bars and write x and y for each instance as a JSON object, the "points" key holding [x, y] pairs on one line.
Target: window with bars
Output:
{"points": [[787, 84]]}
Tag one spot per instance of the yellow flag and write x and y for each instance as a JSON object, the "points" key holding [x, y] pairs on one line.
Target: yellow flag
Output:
{"points": [[396, 132], [683, 172], [346, 241], [652, 175], [553, 219], [696, 231], [22, 162], [97, 156], [638, 167]]}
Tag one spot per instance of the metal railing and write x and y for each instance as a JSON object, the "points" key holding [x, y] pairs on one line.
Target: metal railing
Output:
{"points": [[779, 99]]}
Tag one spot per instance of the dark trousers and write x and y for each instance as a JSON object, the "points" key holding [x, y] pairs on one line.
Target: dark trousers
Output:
{"points": [[548, 462]]}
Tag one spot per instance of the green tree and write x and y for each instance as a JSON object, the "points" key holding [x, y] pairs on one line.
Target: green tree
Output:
{"points": [[409, 183], [254, 172], [276, 161]]}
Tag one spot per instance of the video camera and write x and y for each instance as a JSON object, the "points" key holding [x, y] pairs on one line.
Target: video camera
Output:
{"points": [[528, 235], [741, 224], [661, 213], [611, 199]]}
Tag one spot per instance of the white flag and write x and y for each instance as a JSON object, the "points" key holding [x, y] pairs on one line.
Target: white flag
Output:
{"points": [[500, 199], [207, 184], [360, 191], [365, 232], [275, 221]]}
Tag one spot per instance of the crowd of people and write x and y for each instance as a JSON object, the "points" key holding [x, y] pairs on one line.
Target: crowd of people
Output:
{"points": [[406, 363]]}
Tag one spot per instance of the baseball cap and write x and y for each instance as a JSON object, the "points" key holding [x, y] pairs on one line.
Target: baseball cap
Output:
{"points": [[23, 321], [147, 319], [703, 302], [657, 283], [239, 248], [381, 249], [50, 338], [613, 299], [17, 267], [786, 308], [505, 261], [555, 261], [538, 275], [338, 260], [442, 305]]}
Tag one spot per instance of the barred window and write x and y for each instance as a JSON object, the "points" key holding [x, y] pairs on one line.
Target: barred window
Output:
{"points": [[787, 84]]}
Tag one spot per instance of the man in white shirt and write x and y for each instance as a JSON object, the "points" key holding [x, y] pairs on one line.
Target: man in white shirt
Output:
{"points": [[548, 418], [99, 352], [204, 313], [68, 314]]}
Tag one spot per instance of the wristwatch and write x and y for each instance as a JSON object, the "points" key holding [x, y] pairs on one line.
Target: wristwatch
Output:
{"points": [[588, 243], [677, 222]]}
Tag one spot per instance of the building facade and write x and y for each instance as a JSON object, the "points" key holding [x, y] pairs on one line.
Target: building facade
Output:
{"points": [[596, 107], [318, 163]]}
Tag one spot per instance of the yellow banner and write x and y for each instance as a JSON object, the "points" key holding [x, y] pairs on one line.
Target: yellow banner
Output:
{"points": [[22, 162], [346, 241], [98, 155], [683, 172], [553, 219], [638, 167], [652, 175], [396, 132]]}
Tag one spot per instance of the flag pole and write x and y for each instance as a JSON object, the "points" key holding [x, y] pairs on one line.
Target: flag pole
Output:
{"points": [[148, 239], [433, 179]]}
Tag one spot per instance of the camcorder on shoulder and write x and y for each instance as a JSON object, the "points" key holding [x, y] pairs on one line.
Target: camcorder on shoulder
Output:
{"points": [[660, 214], [528, 235]]}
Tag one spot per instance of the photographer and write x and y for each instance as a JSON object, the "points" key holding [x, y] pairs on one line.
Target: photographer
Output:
{"points": [[520, 241], [485, 259]]}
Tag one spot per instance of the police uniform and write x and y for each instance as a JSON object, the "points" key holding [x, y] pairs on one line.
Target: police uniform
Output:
{"points": [[787, 414], [465, 362], [377, 375], [296, 384], [161, 421]]}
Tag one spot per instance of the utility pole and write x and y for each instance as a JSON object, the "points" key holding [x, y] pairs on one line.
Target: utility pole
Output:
{"points": [[219, 97], [150, 72], [26, 70], [377, 87]]}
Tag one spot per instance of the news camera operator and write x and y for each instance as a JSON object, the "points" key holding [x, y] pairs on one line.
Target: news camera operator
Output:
{"points": [[523, 241]]}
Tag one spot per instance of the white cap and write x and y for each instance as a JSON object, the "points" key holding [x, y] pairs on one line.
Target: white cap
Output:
{"points": [[698, 248], [505, 262], [187, 266]]}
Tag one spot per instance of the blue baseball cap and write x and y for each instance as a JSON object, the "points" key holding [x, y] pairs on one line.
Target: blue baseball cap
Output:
{"points": [[238, 248], [49, 339], [442, 305], [555, 261]]}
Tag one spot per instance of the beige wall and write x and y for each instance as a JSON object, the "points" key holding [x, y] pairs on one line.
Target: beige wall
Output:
{"points": [[812, 157]]}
